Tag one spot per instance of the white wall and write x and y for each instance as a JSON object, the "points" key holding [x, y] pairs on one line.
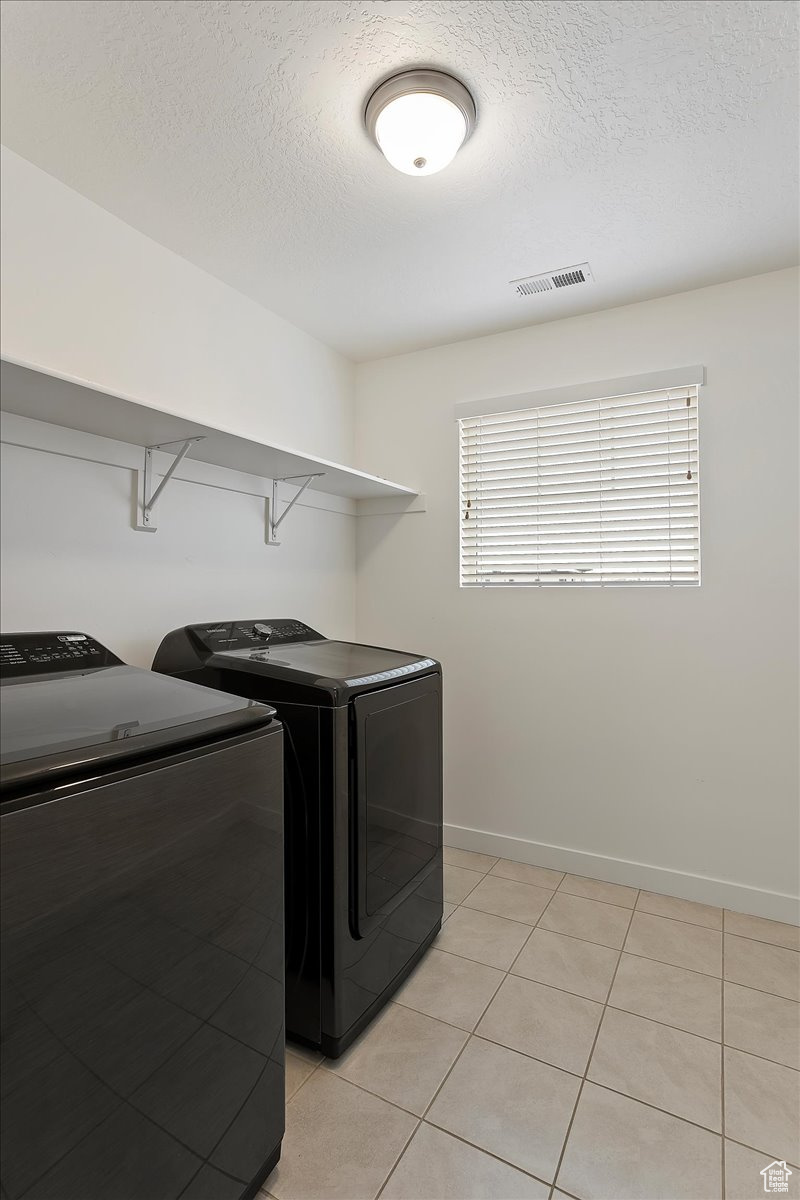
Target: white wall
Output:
{"points": [[85, 295], [654, 729], [72, 561]]}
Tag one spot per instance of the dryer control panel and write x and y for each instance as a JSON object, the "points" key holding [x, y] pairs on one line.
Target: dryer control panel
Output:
{"points": [[45, 653], [243, 635]]}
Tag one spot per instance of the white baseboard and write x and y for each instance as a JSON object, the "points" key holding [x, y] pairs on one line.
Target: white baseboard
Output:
{"points": [[775, 906]]}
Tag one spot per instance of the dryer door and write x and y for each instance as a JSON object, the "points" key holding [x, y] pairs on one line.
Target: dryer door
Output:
{"points": [[397, 793]]}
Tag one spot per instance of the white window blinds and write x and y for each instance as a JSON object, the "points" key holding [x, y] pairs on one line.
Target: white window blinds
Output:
{"points": [[593, 493]]}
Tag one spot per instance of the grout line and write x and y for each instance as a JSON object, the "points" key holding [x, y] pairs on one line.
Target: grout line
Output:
{"points": [[449, 1024], [362, 1087], [591, 1052], [529, 925], [712, 929], [774, 945], [594, 899], [678, 966], [396, 1162], [313, 1071], [489, 1153], [647, 1104], [725, 912], [470, 1034], [438, 1090], [751, 988], [536, 926], [680, 920], [511, 879], [734, 912], [534, 887], [637, 908], [454, 866], [486, 871], [756, 1150], [722, 1076], [591, 1000]]}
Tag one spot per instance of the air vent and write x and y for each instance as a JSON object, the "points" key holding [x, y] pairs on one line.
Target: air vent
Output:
{"points": [[551, 281]]}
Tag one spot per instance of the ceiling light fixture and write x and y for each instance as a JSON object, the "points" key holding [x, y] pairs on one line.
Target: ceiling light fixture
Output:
{"points": [[420, 119]]}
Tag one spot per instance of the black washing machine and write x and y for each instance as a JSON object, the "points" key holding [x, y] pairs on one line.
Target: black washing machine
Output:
{"points": [[363, 766], [141, 930]]}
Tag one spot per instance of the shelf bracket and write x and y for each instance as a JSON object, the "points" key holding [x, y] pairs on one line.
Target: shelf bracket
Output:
{"points": [[273, 521], [147, 495]]}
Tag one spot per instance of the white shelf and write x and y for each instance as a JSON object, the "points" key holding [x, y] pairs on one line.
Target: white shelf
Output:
{"points": [[77, 404]]}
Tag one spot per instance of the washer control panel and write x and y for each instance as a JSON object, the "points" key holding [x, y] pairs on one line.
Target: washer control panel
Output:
{"points": [[395, 673], [42, 653], [242, 635]]}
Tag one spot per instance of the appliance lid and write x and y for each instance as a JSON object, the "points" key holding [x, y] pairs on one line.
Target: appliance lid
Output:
{"points": [[78, 719], [344, 663]]}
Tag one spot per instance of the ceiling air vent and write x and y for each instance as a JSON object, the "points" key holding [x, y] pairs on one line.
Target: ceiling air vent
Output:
{"points": [[551, 281]]}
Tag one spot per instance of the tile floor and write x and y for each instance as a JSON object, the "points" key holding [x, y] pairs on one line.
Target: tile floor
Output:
{"points": [[563, 1037]]}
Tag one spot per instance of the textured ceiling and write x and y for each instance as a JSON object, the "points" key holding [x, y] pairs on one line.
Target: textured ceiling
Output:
{"points": [[656, 139]]}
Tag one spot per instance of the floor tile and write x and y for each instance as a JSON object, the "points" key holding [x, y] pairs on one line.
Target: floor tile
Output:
{"points": [[672, 995], [525, 873], [458, 883], [568, 963], [314, 1057], [508, 1104], [340, 1142], [762, 1104], [619, 1149], [676, 942], [597, 889], [548, 1024], [438, 1165], [403, 1057], [449, 988], [483, 937], [766, 968], [660, 1065], [297, 1072], [448, 910], [743, 1178], [680, 910], [762, 930], [763, 1024], [591, 920], [507, 898], [469, 859]]}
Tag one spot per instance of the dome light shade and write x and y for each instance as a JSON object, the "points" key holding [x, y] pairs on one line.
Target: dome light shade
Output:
{"points": [[420, 119]]}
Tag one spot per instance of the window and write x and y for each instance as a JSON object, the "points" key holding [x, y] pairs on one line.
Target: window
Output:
{"points": [[591, 493]]}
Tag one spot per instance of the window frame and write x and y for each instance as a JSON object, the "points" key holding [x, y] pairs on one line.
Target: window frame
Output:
{"points": [[688, 380]]}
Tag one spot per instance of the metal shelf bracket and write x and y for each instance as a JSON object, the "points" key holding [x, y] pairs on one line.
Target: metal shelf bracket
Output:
{"points": [[273, 521], [147, 496]]}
